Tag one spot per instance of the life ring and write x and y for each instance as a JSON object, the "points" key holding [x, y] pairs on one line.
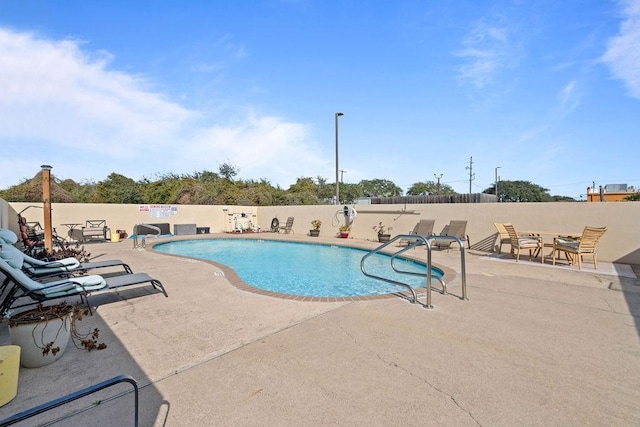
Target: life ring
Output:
{"points": [[275, 225]]}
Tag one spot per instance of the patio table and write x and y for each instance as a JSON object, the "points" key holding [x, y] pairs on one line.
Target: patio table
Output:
{"points": [[548, 244], [71, 227]]}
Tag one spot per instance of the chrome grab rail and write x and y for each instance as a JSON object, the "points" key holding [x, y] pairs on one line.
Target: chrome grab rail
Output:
{"points": [[463, 268], [417, 241], [143, 243]]}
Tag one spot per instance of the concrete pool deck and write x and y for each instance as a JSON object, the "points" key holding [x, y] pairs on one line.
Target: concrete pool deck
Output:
{"points": [[534, 345]]}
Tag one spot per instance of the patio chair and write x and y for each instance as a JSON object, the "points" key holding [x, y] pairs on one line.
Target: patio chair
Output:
{"points": [[578, 248], [95, 229], [535, 244], [456, 228], [503, 236], [424, 227], [288, 227]]}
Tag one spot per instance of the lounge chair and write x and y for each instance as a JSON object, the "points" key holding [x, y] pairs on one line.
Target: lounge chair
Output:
{"points": [[38, 268], [24, 286], [503, 236], [67, 266], [585, 245], [11, 264], [31, 241], [32, 236], [424, 227], [456, 228], [535, 244], [288, 227]]}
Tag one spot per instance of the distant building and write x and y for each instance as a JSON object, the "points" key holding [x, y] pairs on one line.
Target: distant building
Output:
{"points": [[609, 193]]}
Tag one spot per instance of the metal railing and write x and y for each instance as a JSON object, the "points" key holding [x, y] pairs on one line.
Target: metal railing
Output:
{"points": [[143, 242], [75, 396], [415, 241]]}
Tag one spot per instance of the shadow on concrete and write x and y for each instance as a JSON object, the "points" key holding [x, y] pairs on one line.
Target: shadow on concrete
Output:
{"points": [[78, 369]]}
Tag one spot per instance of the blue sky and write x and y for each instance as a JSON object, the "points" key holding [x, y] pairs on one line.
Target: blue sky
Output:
{"points": [[549, 91]]}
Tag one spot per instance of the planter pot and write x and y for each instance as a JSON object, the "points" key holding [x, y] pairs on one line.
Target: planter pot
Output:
{"points": [[9, 369], [34, 335], [314, 233], [344, 234], [384, 238]]}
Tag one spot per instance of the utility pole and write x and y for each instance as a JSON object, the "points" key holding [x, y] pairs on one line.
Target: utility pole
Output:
{"points": [[342, 172], [438, 185], [471, 174]]}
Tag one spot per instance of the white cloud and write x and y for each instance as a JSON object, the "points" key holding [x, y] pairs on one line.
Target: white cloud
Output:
{"points": [[623, 52], [487, 49], [65, 107], [569, 98]]}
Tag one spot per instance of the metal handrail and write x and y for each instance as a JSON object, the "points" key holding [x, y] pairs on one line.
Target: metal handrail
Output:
{"points": [[463, 269], [413, 273], [75, 396], [395, 282], [417, 241], [143, 243]]}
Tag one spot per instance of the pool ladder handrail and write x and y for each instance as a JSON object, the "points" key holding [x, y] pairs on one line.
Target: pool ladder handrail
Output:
{"points": [[417, 241], [143, 242]]}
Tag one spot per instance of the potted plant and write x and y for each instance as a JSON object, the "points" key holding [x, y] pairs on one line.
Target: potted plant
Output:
{"points": [[44, 332], [383, 232], [315, 230], [344, 231]]}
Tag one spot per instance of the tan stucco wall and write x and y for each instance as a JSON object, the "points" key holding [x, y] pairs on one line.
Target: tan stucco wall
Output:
{"points": [[621, 243]]}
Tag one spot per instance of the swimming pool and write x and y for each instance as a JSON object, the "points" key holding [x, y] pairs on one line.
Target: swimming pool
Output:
{"points": [[305, 269]]}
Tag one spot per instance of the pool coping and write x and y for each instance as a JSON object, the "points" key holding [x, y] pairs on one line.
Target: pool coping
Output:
{"points": [[235, 280]]}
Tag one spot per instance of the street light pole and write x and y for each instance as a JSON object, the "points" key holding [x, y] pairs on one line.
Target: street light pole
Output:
{"points": [[497, 193], [337, 182]]}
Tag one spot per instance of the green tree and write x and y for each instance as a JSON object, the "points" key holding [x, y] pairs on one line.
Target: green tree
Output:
{"points": [[635, 197], [520, 191], [228, 171], [380, 188], [206, 176], [303, 192], [349, 193], [429, 187], [118, 189], [160, 191]]}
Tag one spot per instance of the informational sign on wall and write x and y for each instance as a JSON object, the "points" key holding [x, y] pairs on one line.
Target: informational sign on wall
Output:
{"points": [[159, 211]]}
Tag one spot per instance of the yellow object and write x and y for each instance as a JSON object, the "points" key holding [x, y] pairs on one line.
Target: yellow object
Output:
{"points": [[115, 237], [9, 368]]}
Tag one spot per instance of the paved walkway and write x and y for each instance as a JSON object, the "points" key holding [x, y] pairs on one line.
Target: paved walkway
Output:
{"points": [[534, 345]]}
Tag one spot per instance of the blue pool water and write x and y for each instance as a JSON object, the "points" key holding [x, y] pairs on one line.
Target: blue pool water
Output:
{"points": [[301, 268]]}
